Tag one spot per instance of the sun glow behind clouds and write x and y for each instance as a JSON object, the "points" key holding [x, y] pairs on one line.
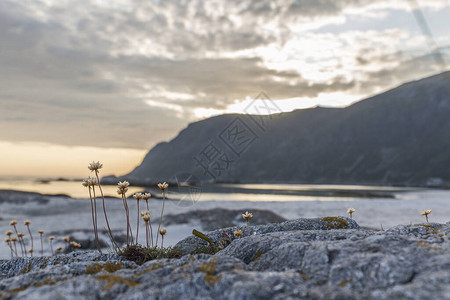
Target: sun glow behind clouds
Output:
{"points": [[337, 99], [50, 160]]}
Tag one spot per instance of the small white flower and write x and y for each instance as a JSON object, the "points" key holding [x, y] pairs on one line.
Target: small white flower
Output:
{"points": [[85, 182], [426, 212], [238, 233], [163, 231], [121, 191], [123, 184], [95, 166], [137, 196], [92, 181], [146, 196], [163, 186], [247, 216]]}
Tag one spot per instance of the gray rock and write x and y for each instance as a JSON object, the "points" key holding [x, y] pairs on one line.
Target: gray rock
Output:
{"points": [[404, 262], [191, 243]]}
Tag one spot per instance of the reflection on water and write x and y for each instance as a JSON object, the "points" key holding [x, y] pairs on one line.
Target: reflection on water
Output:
{"points": [[73, 189], [225, 192], [312, 187]]}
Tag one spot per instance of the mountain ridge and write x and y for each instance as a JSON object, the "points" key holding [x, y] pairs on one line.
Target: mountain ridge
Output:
{"points": [[398, 137]]}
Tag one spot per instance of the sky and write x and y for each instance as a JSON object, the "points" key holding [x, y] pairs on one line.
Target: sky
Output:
{"points": [[108, 80]]}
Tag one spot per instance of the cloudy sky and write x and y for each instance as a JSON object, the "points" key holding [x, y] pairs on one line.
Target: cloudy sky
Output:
{"points": [[107, 80]]}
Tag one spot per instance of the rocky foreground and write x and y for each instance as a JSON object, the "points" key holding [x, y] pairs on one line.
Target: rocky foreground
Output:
{"points": [[328, 258]]}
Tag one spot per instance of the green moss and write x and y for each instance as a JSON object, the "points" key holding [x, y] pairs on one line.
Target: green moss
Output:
{"points": [[212, 279], [43, 266], [424, 244], [344, 282], [111, 267], [336, 222], [112, 280], [210, 270], [93, 269], [154, 267], [16, 290], [27, 269], [204, 250], [258, 254], [304, 276], [47, 281]]}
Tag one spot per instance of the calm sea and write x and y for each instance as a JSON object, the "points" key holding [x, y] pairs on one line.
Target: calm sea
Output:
{"points": [[220, 192]]}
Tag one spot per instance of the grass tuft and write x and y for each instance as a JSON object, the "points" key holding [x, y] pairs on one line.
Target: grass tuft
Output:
{"points": [[140, 255]]}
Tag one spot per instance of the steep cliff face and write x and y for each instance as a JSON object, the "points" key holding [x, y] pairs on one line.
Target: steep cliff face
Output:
{"points": [[401, 136]]}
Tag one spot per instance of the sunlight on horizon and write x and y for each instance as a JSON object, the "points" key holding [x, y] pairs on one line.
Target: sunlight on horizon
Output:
{"points": [[30, 159]]}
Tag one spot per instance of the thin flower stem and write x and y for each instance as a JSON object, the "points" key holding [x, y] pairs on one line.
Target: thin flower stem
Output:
{"points": [[104, 209], [137, 226], [10, 246], [51, 246], [150, 222], [128, 223], [160, 219], [146, 233], [31, 237], [24, 247], [248, 228], [94, 223], [20, 242], [42, 245], [15, 247]]}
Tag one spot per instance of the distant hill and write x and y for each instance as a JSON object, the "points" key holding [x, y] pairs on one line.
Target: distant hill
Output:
{"points": [[399, 137]]}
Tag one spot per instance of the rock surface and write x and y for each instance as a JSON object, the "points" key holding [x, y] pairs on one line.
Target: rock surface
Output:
{"points": [[18, 197], [189, 244], [217, 218], [404, 262]]}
